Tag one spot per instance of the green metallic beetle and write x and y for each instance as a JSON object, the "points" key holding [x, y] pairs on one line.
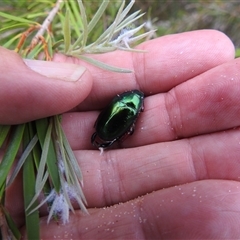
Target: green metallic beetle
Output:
{"points": [[117, 119]]}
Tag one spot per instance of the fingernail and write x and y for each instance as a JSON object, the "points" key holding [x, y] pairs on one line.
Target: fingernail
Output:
{"points": [[62, 71]]}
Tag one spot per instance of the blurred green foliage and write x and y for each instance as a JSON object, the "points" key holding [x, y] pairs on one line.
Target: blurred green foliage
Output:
{"points": [[167, 16], [174, 16], [37, 11]]}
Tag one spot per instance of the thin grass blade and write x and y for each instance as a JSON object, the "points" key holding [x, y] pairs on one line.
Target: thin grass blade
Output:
{"points": [[39, 189], [75, 19], [11, 41], [72, 157], [11, 153], [4, 130], [49, 46], [79, 195], [84, 21], [11, 224], [34, 53], [60, 148], [142, 36], [97, 49], [46, 199], [129, 20], [104, 65], [125, 23], [32, 221], [66, 32], [126, 11], [107, 35], [65, 194], [22, 159], [97, 15], [14, 27], [76, 15], [110, 30], [43, 160], [52, 167], [43, 125], [17, 19]]}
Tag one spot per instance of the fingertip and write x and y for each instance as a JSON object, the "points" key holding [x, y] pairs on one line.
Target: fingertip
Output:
{"points": [[207, 40], [178, 57]]}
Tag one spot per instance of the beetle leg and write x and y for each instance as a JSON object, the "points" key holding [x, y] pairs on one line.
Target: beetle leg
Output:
{"points": [[106, 145], [93, 137], [97, 143], [131, 130], [94, 141]]}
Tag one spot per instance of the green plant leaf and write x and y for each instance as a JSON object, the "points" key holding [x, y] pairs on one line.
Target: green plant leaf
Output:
{"points": [[130, 19], [75, 17], [38, 188], [29, 178], [97, 15], [84, 22], [60, 145], [4, 130], [11, 224], [44, 130], [112, 28], [14, 27], [75, 10], [11, 41], [49, 46], [71, 158], [17, 19], [22, 159], [11, 152], [104, 65], [237, 52], [35, 52], [115, 28], [66, 32]]}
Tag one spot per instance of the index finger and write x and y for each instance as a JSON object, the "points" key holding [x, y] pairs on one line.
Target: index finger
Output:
{"points": [[168, 61]]}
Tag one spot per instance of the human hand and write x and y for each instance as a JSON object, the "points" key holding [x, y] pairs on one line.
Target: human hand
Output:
{"points": [[26, 95], [183, 156]]}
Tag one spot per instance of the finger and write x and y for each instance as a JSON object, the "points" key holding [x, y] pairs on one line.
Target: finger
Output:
{"points": [[190, 211], [121, 175], [169, 61], [204, 104], [36, 89]]}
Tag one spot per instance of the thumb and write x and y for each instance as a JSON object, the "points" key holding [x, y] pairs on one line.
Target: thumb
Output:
{"points": [[31, 89]]}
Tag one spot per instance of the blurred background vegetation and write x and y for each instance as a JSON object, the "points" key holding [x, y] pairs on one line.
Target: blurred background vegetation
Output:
{"points": [[167, 16], [173, 16]]}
